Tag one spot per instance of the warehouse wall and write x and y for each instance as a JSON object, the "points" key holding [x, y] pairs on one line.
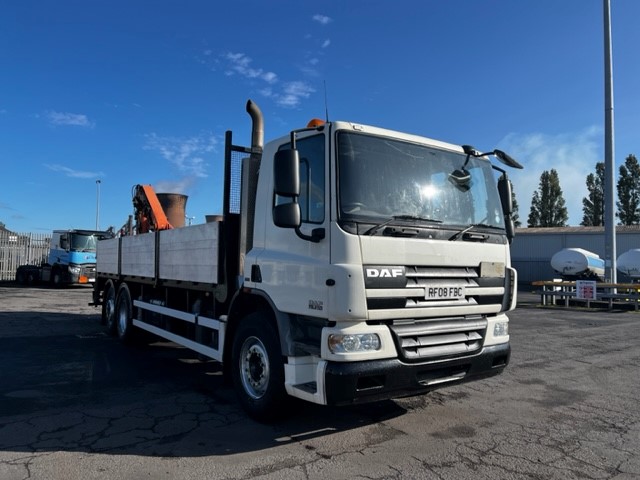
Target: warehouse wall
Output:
{"points": [[532, 248]]}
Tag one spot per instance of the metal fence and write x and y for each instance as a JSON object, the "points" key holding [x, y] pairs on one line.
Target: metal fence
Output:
{"points": [[21, 249]]}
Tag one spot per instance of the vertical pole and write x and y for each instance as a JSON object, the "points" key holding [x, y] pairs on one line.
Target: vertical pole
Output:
{"points": [[98, 204], [609, 160]]}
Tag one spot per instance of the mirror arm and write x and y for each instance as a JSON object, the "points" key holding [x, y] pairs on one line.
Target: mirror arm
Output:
{"points": [[317, 234]]}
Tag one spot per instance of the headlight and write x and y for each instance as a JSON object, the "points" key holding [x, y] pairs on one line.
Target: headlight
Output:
{"points": [[74, 269], [501, 329], [362, 342]]}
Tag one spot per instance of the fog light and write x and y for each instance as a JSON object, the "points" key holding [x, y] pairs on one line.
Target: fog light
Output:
{"points": [[501, 329], [363, 342]]}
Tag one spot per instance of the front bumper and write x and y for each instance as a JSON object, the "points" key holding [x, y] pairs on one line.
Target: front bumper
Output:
{"points": [[373, 380], [82, 274]]}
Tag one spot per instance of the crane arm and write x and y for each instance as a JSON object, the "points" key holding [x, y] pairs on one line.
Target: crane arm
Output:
{"points": [[148, 211]]}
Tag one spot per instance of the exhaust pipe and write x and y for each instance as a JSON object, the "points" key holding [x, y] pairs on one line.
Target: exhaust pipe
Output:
{"points": [[257, 128]]}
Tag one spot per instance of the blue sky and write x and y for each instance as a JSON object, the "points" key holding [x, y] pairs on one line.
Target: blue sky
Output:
{"points": [[130, 92]]}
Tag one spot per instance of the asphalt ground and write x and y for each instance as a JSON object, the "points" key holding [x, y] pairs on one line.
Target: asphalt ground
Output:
{"points": [[76, 404]]}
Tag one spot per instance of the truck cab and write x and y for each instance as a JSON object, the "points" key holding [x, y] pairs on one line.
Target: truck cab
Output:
{"points": [[378, 255], [72, 256]]}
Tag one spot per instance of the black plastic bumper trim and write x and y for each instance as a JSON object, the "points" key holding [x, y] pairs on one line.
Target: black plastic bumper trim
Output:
{"points": [[359, 382]]}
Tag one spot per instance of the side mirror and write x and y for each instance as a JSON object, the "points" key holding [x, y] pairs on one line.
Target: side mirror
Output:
{"points": [[507, 159], [286, 173], [505, 191], [287, 215], [64, 243], [510, 228]]}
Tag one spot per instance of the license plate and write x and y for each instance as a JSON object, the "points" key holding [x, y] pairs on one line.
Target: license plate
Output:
{"points": [[444, 292]]}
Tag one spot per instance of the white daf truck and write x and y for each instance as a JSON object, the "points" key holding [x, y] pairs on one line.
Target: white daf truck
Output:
{"points": [[351, 264]]}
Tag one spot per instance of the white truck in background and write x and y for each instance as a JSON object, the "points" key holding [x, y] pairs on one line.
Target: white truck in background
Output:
{"points": [[351, 264]]}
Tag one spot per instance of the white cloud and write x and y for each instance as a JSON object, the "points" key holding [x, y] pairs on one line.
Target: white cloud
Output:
{"points": [[240, 64], [322, 19], [66, 118], [292, 94], [326, 43], [266, 92], [70, 172], [186, 154], [573, 156]]}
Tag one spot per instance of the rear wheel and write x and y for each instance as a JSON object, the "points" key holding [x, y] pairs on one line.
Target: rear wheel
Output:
{"points": [[123, 314], [109, 308], [258, 369]]}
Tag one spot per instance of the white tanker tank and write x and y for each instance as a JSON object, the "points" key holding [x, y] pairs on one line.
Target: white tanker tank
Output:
{"points": [[577, 263], [629, 263]]}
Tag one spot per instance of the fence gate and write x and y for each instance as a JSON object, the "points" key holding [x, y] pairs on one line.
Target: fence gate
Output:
{"points": [[21, 249]]}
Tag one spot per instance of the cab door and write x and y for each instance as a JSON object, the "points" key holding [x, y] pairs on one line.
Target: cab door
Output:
{"points": [[294, 263]]}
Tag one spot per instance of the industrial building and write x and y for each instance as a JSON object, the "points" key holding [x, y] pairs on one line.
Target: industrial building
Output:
{"points": [[532, 248]]}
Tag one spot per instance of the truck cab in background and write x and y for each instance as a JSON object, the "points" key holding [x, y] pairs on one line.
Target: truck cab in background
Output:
{"points": [[71, 259]]}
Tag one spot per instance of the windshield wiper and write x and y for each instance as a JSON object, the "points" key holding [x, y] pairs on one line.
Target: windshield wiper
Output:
{"points": [[457, 235], [375, 228]]}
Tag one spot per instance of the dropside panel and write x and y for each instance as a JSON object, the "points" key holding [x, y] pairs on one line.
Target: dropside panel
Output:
{"points": [[107, 256], [190, 253], [138, 255]]}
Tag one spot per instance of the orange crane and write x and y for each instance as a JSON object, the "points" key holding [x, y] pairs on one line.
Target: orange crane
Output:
{"points": [[148, 211]]}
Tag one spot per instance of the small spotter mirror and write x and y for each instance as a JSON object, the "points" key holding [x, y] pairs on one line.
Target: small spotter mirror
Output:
{"points": [[460, 176]]}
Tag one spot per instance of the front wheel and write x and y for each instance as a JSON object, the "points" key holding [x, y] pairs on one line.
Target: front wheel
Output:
{"points": [[258, 369], [56, 278]]}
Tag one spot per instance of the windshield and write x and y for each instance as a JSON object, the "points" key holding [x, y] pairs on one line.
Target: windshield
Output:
{"points": [[84, 243], [381, 178]]}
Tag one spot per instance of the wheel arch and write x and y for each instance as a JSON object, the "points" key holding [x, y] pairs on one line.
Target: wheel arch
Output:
{"points": [[246, 303]]}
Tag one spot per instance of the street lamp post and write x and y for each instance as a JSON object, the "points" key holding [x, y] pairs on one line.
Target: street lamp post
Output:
{"points": [[98, 204], [609, 155]]}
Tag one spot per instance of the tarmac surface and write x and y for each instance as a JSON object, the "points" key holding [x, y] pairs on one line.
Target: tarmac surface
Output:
{"points": [[76, 404]]}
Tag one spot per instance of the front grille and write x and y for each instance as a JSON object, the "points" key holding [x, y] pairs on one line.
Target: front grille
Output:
{"points": [[439, 339], [88, 270], [407, 295]]}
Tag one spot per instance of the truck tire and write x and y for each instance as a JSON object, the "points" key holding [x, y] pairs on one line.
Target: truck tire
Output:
{"points": [[258, 369], [109, 308], [123, 314], [56, 278]]}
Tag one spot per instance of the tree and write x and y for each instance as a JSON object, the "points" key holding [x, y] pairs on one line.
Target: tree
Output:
{"points": [[548, 207], [593, 205], [629, 192], [515, 215]]}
